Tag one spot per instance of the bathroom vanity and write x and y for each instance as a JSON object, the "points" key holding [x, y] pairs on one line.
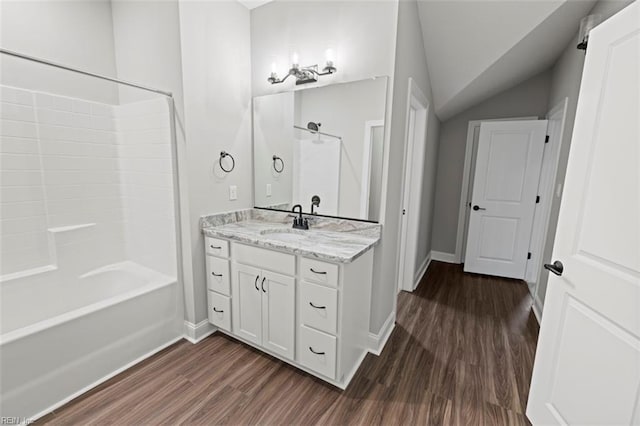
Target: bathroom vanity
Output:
{"points": [[302, 296]]}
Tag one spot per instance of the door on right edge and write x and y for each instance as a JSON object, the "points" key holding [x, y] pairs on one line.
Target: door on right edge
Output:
{"points": [[587, 365], [505, 187]]}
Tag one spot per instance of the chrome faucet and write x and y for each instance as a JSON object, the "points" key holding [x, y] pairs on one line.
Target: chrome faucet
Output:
{"points": [[299, 222]]}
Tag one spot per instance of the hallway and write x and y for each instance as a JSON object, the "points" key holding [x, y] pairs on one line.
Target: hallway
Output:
{"points": [[461, 353]]}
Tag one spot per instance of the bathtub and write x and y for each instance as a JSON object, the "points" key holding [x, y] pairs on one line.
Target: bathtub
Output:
{"points": [[60, 336]]}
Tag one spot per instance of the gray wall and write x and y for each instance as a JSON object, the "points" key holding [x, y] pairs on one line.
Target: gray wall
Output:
{"points": [[566, 75], [529, 98], [410, 62]]}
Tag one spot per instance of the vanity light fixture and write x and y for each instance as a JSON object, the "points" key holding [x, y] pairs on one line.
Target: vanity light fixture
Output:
{"points": [[586, 25], [304, 75]]}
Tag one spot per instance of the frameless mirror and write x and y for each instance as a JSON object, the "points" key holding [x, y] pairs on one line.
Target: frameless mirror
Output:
{"points": [[321, 148]]}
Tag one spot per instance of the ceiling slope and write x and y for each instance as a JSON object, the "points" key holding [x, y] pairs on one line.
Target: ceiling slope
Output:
{"points": [[477, 48]]}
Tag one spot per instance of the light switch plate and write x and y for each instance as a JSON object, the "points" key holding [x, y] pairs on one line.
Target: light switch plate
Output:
{"points": [[233, 192], [268, 190]]}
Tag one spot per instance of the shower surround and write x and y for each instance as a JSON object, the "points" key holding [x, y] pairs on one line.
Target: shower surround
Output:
{"points": [[88, 244]]}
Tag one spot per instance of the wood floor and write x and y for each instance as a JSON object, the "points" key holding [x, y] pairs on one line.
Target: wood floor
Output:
{"points": [[461, 353]]}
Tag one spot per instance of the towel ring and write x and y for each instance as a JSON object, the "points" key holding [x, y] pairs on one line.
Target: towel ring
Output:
{"points": [[224, 154], [275, 164]]}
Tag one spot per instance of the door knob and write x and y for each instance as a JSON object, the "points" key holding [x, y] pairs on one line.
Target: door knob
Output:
{"points": [[557, 267], [477, 207]]}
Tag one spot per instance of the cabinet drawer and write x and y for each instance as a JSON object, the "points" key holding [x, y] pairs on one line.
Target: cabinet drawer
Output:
{"points": [[319, 272], [218, 275], [317, 351], [319, 307], [216, 246], [219, 310], [263, 258]]}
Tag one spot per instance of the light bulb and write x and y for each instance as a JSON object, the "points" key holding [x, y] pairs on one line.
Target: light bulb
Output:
{"points": [[329, 56], [294, 59], [273, 67]]}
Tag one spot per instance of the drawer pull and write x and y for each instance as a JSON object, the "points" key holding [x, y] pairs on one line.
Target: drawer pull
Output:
{"points": [[216, 247], [317, 272], [317, 353], [263, 290], [216, 275], [256, 283], [216, 310], [317, 307]]}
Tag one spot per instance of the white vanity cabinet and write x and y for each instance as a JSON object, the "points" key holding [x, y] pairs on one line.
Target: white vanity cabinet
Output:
{"points": [[311, 313], [264, 308]]}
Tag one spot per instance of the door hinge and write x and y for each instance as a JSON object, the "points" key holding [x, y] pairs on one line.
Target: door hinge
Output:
{"points": [[537, 199], [546, 139], [528, 255]]}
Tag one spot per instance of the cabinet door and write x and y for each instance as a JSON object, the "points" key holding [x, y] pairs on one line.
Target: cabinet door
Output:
{"points": [[278, 313], [247, 303]]}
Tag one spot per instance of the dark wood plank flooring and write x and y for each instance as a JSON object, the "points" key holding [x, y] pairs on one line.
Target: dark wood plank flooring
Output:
{"points": [[461, 353]]}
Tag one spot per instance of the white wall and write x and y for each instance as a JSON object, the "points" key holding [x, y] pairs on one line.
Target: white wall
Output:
{"points": [[565, 82], [217, 101], [362, 35], [410, 62], [75, 33], [529, 98]]}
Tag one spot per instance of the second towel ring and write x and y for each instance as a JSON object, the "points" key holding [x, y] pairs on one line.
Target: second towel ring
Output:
{"points": [[275, 164], [224, 154]]}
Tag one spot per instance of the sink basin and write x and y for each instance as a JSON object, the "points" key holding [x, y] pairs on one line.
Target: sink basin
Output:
{"points": [[285, 235]]}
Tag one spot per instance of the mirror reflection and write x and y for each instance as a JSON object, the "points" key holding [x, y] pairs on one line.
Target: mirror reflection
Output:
{"points": [[321, 148]]}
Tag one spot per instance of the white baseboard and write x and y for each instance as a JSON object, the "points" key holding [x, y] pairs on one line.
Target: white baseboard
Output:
{"points": [[377, 341], [196, 332], [105, 378], [422, 271], [443, 257]]}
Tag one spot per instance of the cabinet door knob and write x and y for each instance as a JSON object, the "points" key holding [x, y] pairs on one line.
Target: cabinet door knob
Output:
{"points": [[216, 275], [215, 247], [317, 353], [263, 290], [317, 272], [256, 283], [317, 307], [216, 310]]}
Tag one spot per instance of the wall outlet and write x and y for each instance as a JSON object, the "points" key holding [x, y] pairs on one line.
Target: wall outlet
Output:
{"points": [[268, 190], [233, 192]]}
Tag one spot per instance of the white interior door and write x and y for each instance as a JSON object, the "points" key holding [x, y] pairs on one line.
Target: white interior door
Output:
{"points": [[416, 140], [505, 186], [587, 366]]}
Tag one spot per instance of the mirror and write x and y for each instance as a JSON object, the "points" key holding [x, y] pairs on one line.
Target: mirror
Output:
{"points": [[322, 148]]}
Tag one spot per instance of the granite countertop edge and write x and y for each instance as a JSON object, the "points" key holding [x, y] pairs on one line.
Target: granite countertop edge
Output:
{"points": [[219, 232]]}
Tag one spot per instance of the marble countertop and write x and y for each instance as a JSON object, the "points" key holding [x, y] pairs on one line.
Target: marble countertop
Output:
{"points": [[322, 242]]}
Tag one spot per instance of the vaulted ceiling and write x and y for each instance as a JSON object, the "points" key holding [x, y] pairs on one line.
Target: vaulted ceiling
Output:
{"points": [[477, 48]]}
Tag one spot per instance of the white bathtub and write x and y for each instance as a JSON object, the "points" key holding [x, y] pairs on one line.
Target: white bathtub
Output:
{"points": [[60, 336]]}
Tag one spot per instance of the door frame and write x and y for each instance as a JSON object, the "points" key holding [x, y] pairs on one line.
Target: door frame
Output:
{"points": [[467, 182], [366, 166], [417, 117], [542, 216]]}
